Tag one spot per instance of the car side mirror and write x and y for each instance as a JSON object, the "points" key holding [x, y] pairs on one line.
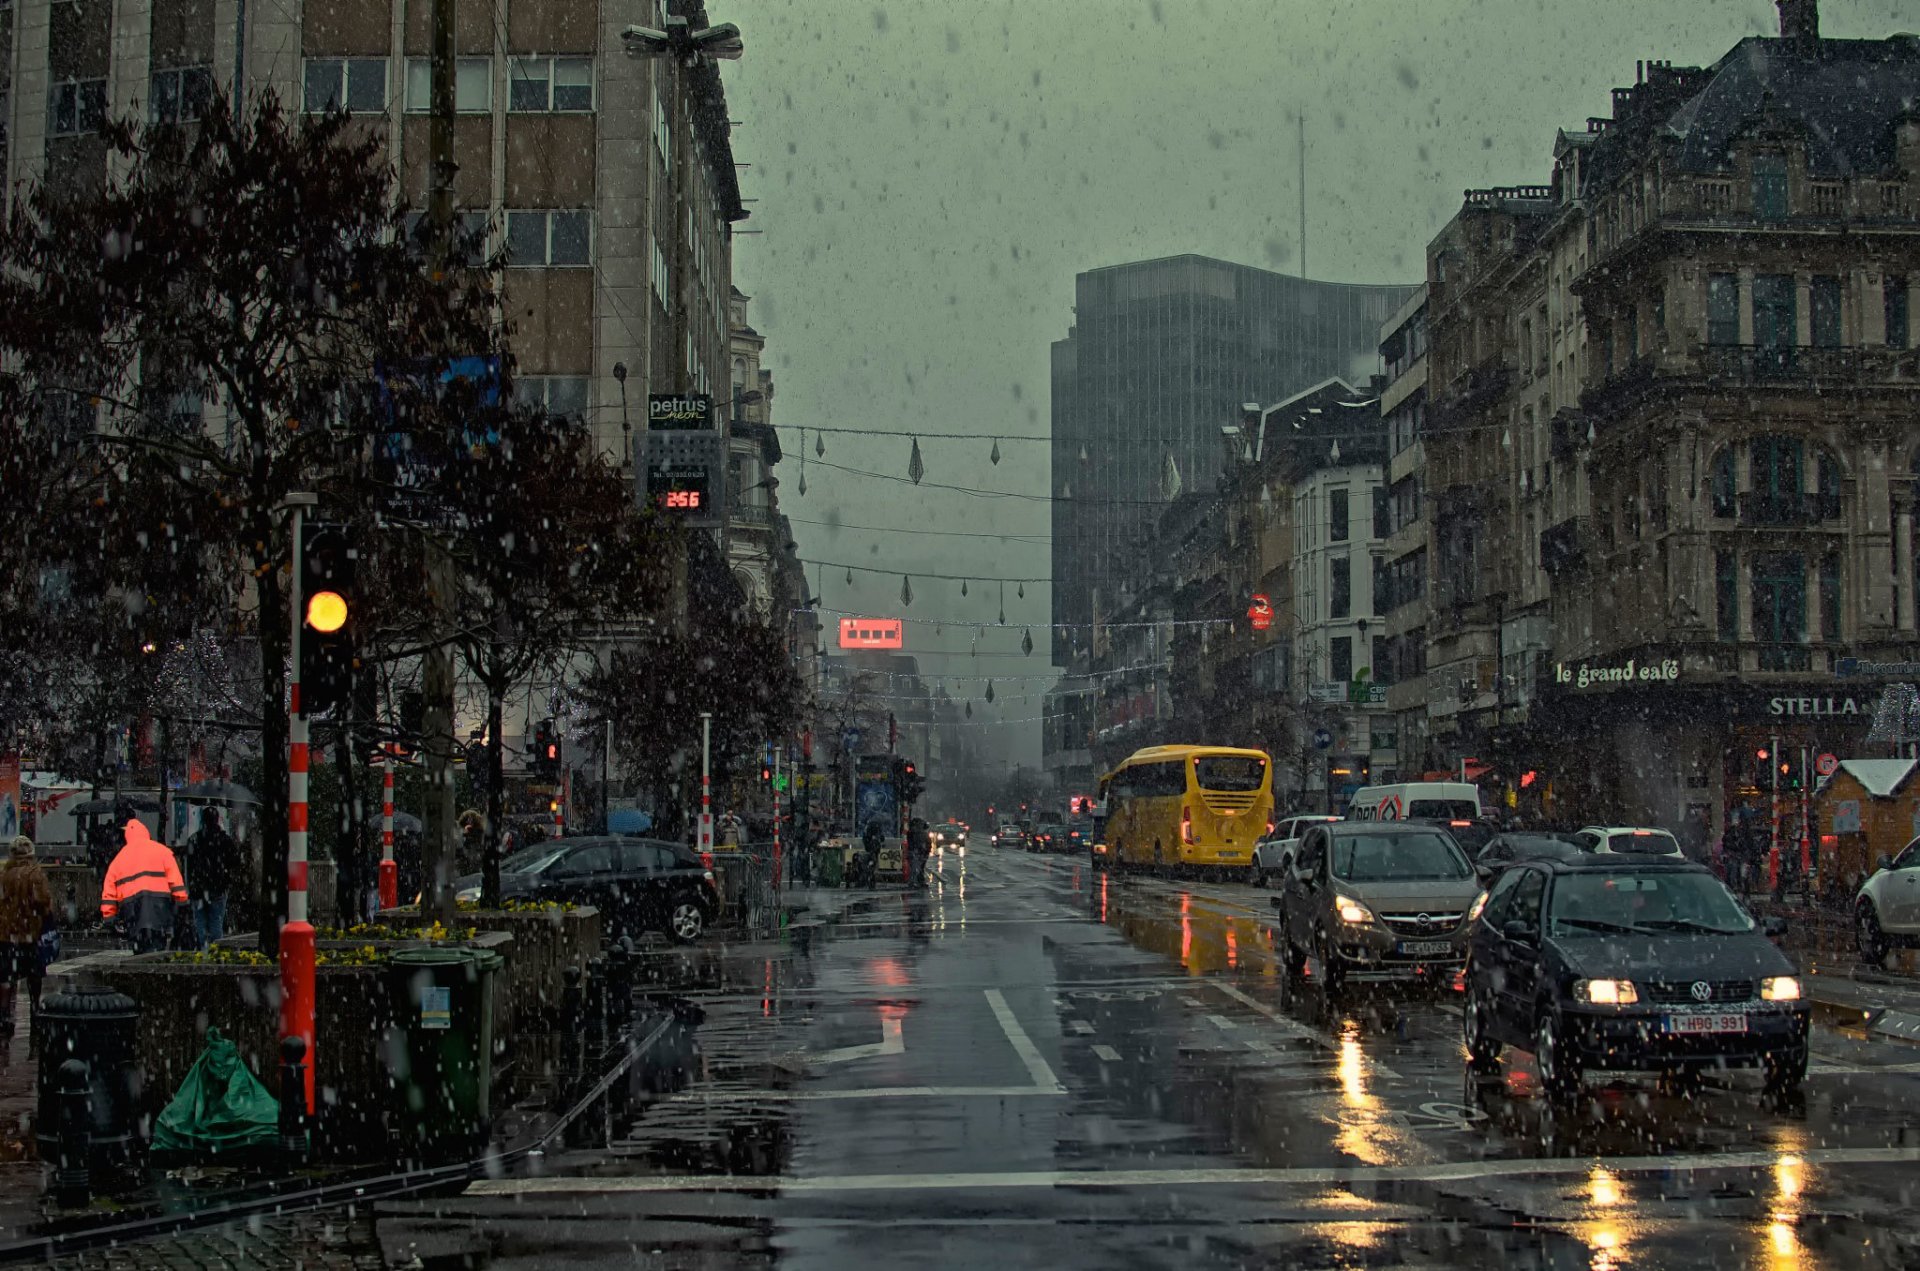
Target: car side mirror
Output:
{"points": [[1774, 927], [1519, 932], [1884, 862], [1483, 873], [1276, 901]]}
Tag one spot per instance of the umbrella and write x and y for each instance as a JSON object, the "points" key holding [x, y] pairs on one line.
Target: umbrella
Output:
{"points": [[223, 791], [98, 807], [629, 821], [407, 823]]}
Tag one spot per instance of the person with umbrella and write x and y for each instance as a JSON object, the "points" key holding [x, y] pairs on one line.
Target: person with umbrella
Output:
{"points": [[216, 865]]}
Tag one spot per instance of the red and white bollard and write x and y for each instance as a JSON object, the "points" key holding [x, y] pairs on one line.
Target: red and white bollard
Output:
{"points": [[296, 936], [389, 872]]}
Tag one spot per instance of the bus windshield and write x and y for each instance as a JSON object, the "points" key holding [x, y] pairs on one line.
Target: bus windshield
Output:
{"points": [[1229, 772]]}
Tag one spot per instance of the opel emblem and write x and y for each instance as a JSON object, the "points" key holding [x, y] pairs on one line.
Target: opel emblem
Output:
{"points": [[1701, 990], [1424, 922]]}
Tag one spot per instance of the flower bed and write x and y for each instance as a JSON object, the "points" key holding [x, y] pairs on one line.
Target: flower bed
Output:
{"points": [[547, 939]]}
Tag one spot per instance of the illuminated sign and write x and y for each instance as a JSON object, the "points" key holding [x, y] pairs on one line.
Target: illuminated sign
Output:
{"points": [[1260, 612], [677, 488], [870, 633], [672, 412]]}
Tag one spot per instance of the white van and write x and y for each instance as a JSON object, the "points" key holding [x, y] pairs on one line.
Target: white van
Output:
{"points": [[1439, 800]]}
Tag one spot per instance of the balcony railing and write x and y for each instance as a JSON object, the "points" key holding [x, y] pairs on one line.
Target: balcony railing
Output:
{"points": [[749, 514], [1775, 507], [1762, 364], [1470, 392], [1785, 657]]}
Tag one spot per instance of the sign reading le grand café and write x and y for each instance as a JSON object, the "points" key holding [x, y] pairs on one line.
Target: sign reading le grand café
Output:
{"points": [[1744, 701]]}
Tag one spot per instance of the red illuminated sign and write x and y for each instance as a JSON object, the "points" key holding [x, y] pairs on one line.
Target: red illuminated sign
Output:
{"points": [[1260, 612], [688, 499], [870, 633]]}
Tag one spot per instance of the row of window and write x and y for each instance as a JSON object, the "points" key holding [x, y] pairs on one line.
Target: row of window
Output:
{"points": [[1775, 299], [1777, 586], [1340, 660], [534, 84], [536, 238]]}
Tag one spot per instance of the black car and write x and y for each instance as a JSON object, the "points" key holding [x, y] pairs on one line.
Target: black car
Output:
{"points": [[1629, 964], [1503, 850], [639, 884], [1470, 835]]}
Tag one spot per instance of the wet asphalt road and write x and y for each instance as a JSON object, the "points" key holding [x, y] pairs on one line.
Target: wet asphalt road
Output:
{"points": [[1037, 1065]]}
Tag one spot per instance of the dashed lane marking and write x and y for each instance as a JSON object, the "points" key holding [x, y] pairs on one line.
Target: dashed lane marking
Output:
{"points": [[1079, 1026], [1108, 1053], [1287, 1026], [1222, 1023], [892, 1042], [1022, 1044], [1308, 1176]]}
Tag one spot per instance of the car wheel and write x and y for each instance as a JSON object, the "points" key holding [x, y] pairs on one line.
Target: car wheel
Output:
{"points": [[1868, 936], [1295, 960], [685, 921], [1332, 975], [1483, 1052], [1559, 1070], [1785, 1072]]}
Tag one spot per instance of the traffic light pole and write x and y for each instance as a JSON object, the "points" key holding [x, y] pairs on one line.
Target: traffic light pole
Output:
{"points": [[296, 935], [776, 818], [389, 871], [1773, 846], [704, 837]]}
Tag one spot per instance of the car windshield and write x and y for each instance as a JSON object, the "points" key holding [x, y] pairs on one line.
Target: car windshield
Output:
{"points": [[529, 860], [1229, 772], [1443, 809], [1586, 904], [1382, 858]]}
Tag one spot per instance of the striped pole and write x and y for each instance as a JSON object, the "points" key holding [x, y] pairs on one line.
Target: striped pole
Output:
{"points": [[296, 936], [776, 818], [706, 783], [389, 872]]}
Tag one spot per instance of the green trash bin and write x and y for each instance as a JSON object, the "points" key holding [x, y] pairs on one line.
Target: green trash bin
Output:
{"points": [[440, 1052], [829, 866]]}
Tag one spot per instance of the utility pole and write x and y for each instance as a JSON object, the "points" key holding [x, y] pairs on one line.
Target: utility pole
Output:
{"points": [[436, 671], [297, 947]]}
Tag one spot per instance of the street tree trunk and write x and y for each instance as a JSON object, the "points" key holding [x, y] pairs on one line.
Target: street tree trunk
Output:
{"points": [[496, 795]]}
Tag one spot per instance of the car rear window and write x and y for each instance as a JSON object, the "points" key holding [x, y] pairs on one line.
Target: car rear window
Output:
{"points": [[1230, 772], [1644, 843], [1443, 809], [1382, 858]]}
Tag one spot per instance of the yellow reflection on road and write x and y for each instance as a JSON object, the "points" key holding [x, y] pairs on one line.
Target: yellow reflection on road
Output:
{"points": [[1603, 1189]]}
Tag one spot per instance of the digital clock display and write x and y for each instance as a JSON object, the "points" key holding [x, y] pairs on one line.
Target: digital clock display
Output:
{"points": [[678, 489]]}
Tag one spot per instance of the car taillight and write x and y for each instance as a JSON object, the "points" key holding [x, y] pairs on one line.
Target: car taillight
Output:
{"points": [[706, 859], [1269, 827], [1462, 823], [1186, 825]]}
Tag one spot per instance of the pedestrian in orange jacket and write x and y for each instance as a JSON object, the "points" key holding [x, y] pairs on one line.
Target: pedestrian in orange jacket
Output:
{"points": [[142, 888]]}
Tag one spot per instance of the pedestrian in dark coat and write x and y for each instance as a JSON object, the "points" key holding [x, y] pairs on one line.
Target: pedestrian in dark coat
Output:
{"points": [[26, 911]]}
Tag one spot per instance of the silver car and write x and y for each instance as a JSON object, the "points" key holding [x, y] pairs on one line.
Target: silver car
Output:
{"points": [[1274, 853], [1371, 900]]}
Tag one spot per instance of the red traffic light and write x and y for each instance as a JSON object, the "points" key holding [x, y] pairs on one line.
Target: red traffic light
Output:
{"points": [[1761, 754]]}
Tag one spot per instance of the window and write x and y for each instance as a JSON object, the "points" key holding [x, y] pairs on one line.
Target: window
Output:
{"points": [[542, 239], [1340, 659], [561, 396], [1524, 907], [1495, 914], [1720, 483], [597, 859], [1726, 595], [1770, 186], [472, 85], [1777, 463], [1382, 512], [179, 94], [1382, 590], [1826, 312], [1382, 667], [550, 83], [1337, 522], [1895, 294], [1723, 309], [1660, 319], [76, 107], [1340, 587], [1779, 600], [355, 84], [1632, 341], [1773, 311], [1830, 597]]}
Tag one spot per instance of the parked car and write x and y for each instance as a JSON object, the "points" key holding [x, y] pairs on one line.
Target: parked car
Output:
{"points": [[639, 884], [1629, 962], [1886, 909], [1376, 900], [1274, 853], [1503, 850], [1629, 840]]}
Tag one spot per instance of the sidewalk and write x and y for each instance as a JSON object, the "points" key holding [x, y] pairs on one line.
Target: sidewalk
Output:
{"points": [[20, 1182]]}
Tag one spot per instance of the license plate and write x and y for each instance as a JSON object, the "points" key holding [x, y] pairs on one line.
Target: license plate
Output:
{"points": [[1424, 948], [1721, 1022]]}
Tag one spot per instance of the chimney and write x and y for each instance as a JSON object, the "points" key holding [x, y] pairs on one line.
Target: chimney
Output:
{"points": [[1799, 21]]}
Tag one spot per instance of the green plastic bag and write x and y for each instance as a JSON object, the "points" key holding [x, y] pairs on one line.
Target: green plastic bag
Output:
{"points": [[220, 1106]]}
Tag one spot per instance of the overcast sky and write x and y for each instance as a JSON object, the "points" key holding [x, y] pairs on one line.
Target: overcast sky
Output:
{"points": [[929, 176]]}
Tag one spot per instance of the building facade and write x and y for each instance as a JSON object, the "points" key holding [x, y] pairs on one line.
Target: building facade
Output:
{"points": [[609, 178]]}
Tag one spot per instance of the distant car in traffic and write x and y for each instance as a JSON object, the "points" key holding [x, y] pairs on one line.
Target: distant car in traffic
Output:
{"points": [[1272, 854], [1376, 900], [1048, 836], [1628, 840], [1007, 833], [1629, 962], [948, 834], [1503, 850], [637, 884], [1886, 909]]}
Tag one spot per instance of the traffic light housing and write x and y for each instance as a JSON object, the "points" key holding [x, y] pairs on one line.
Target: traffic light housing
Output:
{"points": [[546, 750], [327, 602], [912, 784]]}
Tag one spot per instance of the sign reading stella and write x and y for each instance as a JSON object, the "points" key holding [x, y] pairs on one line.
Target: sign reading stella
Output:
{"points": [[1582, 675]]}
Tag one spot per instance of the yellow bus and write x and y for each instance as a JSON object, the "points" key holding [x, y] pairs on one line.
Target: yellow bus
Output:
{"points": [[1188, 805]]}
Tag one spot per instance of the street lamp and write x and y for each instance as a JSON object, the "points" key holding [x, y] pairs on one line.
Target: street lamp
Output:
{"points": [[685, 46]]}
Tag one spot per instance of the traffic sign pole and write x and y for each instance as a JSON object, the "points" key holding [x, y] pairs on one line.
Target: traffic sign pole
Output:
{"points": [[389, 871], [297, 946]]}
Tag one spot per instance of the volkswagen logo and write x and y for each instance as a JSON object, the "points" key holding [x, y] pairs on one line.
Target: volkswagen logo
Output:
{"points": [[1701, 990]]}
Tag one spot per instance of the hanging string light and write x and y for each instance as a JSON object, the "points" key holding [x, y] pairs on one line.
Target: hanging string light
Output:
{"points": [[1022, 594], [819, 445], [906, 590], [1026, 641], [969, 710], [916, 469], [1003, 604], [989, 692], [994, 457], [963, 586], [803, 480], [849, 575]]}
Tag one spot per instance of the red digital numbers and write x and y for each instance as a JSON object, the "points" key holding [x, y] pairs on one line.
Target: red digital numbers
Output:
{"points": [[688, 499]]}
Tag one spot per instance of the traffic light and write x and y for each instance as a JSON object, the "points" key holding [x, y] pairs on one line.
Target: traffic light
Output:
{"points": [[1789, 776], [912, 784], [327, 599], [546, 750]]}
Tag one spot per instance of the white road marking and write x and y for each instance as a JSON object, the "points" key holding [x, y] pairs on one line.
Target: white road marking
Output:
{"points": [[1080, 1026], [892, 1042], [886, 1092], [1222, 1023], [1107, 1053], [1833, 1070], [1307, 1176], [1189, 1001], [1022, 1044], [1259, 1047], [1290, 1027]]}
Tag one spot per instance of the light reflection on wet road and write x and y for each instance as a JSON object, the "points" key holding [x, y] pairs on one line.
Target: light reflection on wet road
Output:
{"points": [[1038, 1064]]}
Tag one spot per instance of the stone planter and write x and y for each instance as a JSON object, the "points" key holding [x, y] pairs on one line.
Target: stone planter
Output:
{"points": [[179, 1000], [545, 943]]}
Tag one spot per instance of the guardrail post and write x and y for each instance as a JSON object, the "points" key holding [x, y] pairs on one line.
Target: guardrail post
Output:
{"points": [[293, 1099], [72, 1174]]}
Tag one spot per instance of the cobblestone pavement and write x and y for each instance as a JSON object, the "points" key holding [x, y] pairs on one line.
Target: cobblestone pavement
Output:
{"points": [[332, 1240]]}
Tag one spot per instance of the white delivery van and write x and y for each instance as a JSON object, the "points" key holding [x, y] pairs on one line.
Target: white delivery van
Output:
{"points": [[1437, 800]]}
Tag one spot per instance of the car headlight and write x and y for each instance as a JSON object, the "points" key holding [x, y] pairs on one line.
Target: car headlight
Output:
{"points": [[1479, 907], [467, 894], [1606, 992], [1351, 910], [1780, 988]]}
